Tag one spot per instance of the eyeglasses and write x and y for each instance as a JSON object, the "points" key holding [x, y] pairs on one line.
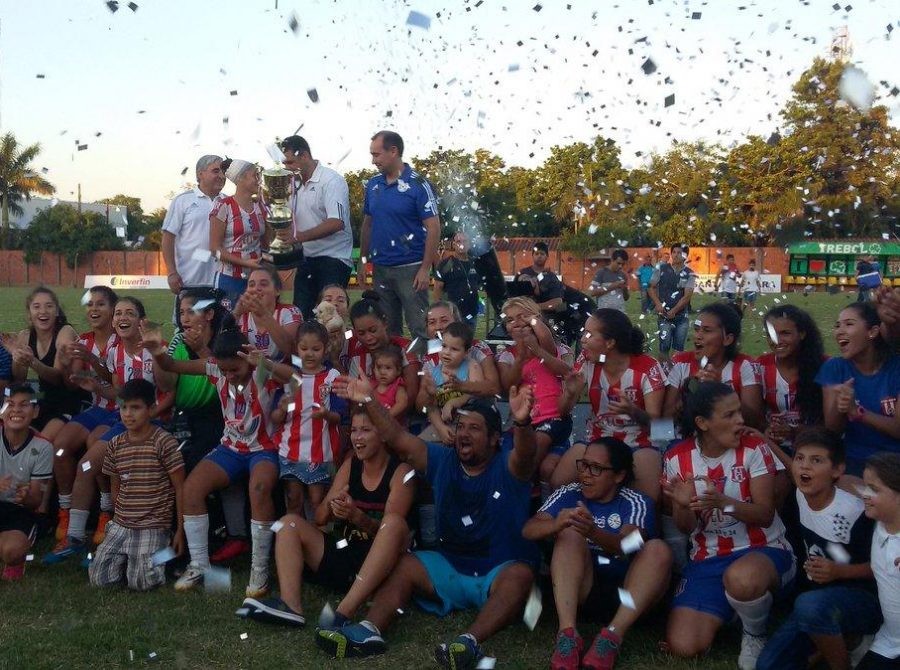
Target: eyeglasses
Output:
{"points": [[595, 469]]}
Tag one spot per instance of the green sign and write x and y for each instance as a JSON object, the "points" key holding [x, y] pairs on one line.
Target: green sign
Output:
{"points": [[847, 248]]}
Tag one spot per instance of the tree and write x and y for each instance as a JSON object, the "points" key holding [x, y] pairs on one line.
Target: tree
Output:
{"points": [[59, 230], [18, 180], [356, 183]]}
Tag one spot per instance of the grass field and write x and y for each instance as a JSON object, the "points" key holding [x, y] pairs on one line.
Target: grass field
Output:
{"points": [[54, 619]]}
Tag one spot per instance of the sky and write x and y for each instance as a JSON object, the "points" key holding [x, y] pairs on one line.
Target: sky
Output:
{"points": [[146, 92]]}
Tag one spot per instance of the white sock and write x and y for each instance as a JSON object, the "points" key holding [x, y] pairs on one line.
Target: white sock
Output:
{"points": [[196, 531], [65, 502], [754, 613], [77, 523], [106, 504], [234, 499], [261, 534]]}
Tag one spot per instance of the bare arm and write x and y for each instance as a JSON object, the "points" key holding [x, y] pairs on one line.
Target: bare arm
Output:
{"points": [[752, 406], [523, 459], [432, 237], [835, 421], [177, 478], [168, 252], [338, 486]]}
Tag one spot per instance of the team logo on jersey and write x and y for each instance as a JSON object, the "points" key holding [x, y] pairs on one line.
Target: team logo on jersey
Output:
{"points": [[324, 391], [614, 520], [888, 406], [738, 473], [262, 341], [631, 394], [657, 376], [402, 186]]}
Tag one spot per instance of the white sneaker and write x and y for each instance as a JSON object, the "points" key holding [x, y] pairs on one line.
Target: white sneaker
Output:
{"points": [[857, 653], [751, 648], [259, 583], [190, 578]]}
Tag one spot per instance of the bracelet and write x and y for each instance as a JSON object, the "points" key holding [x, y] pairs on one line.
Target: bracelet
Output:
{"points": [[858, 414], [523, 424]]}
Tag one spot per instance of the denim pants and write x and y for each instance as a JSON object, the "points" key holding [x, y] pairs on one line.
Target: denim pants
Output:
{"points": [[673, 333], [314, 274], [395, 286], [831, 610]]}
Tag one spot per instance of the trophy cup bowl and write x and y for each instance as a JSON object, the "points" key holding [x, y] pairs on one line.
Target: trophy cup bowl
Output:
{"points": [[277, 182]]}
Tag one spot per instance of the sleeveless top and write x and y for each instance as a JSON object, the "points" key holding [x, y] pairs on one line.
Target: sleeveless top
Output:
{"points": [[372, 503], [56, 399]]}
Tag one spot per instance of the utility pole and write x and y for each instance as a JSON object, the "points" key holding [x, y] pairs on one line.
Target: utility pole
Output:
{"points": [[79, 203]]}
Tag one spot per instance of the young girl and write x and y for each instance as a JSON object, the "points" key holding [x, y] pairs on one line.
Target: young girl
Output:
{"points": [[538, 360], [246, 387], [788, 372], [882, 498], [716, 357], [270, 325], [388, 383], [237, 226], [307, 439], [440, 315], [440, 398], [860, 388], [625, 388], [85, 357], [127, 359], [721, 484]]}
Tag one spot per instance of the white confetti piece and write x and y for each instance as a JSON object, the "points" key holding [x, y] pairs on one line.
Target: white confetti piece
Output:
{"points": [[419, 20], [60, 452], [773, 334], [152, 655], [291, 406], [838, 553], [728, 509], [341, 544], [703, 362], [296, 361], [131, 654], [201, 305], [276, 526], [244, 636], [626, 599], [86, 466], [409, 476], [698, 323], [242, 612], [326, 616], [601, 358], [496, 495], [632, 542], [486, 663], [467, 521], [434, 346], [865, 491], [602, 560], [162, 556], [854, 87], [181, 444], [217, 580], [86, 298], [533, 607], [348, 334], [412, 345], [29, 558]]}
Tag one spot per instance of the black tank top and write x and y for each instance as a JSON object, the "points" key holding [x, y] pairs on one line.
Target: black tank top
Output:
{"points": [[56, 399], [372, 503]]}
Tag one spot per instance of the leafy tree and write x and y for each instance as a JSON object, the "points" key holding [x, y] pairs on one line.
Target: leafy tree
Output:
{"points": [[59, 230], [356, 183], [18, 179]]}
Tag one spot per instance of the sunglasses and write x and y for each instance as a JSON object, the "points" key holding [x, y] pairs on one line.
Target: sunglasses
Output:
{"points": [[595, 469]]}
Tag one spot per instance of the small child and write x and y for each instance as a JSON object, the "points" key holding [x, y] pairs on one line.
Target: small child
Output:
{"points": [[146, 473], [439, 392], [882, 497], [308, 435], [387, 370], [832, 545], [26, 467]]}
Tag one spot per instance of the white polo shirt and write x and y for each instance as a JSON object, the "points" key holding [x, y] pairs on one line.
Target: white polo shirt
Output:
{"points": [[188, 220], [324, 196], [885, 555]]}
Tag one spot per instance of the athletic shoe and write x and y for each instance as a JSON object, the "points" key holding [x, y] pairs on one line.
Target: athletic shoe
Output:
{"points": [[461, 654], [857, 653], [259, 583], [273, 610], [13, 573], [232, 548], [603, 652], [62, 525], [350, 641], [751, 648], [65, 549], [191, 578], [567, 654], [100, 532]]}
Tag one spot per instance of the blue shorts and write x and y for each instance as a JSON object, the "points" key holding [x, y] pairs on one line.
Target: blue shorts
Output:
{"points": [[701, 586], [559, 431], [117, 428], [95, 417], [305, 472], [454, 590], [237, 465]]}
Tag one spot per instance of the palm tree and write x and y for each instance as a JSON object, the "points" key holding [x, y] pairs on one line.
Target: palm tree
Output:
{"points": [[18, 179]]}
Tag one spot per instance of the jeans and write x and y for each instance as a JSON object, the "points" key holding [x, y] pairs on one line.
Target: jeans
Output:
{"points": [[395, 286], [646, 301], [312, 275], [831, 610], [672, 333]]}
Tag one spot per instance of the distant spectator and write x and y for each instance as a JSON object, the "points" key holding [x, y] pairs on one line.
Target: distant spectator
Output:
{"points": [[727, 278], [546, 288], [644, 273], [457, 276], [610, 284], [750, 284], [671, 288], [868, 277]]}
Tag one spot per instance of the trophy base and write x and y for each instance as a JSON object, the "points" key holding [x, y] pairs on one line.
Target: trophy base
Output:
{"points": [[284, 258]]}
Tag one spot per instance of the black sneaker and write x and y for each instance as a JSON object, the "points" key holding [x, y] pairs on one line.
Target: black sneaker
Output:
{"points": [[349, 641], [461, 654], [273, 610]]}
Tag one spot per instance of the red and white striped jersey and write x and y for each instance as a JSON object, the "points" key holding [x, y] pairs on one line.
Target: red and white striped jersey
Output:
{"points": [[285, 315], [358, 360], [302, 438], [740, 372], [780, 395], [643, 376], [246, 410], [477, 352], [125, 367], [243, 232], [718, 533], [99, 350]]}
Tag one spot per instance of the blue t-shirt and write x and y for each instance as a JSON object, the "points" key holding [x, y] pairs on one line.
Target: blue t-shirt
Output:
{"points": [[397, 211], [645, 272], [877, 394], [628, 508], [5, 365], [479, 519]]}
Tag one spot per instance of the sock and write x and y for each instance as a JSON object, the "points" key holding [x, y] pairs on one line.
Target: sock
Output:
{"points": [[371, 626], [77, 522], [106, 504], [261, 534], [65, 502], [233, 499], [754, 613], [196, 531]]}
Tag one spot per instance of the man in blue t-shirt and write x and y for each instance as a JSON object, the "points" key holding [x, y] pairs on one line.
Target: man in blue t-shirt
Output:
{"points": [[399, 235], [481, 495], [645, 273], [5, 369]]}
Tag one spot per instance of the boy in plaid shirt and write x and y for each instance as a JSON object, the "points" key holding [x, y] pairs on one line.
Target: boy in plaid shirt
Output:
{"points": [[147, 475]]}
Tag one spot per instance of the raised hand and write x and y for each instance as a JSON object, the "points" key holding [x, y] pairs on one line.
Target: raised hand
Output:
{"points": [[354, 389], [521, 400], [574, 383], [680, 491], [846, 397], [151, 336]]}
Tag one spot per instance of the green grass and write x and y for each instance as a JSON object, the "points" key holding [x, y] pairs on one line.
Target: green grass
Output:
{"points": [[54, 619]]}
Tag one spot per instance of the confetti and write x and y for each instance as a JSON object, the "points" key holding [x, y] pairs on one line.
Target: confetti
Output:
{"points": [[601, 358], [244, 636], [865, 491], [632, 542], [434, 346], [409, 476], [698, 323], [162, 556], [291, 407], [217, 580], [294, 24], [703, 362], [773, 334], [276, 526], [626, 599], [60, 452], [348, 334], [855, 88], [313, 94], [602, 560], [86, 466], [533, 607], [242, 612], [838, 553], [670, 100], [342, 544], [649, 67], [152, 656], [467, 521], [418, 20], [201, 305], [486, 663], [29, 558], [496, 495], [85, 298], [326, 616]]}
